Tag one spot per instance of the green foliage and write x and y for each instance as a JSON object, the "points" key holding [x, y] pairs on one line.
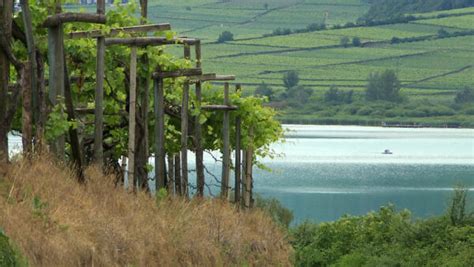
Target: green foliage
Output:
{"points": [[345, 41], [280, 214], [9, 257], [465, 96], [225, 36], [264, 90], [383, 86], [291, 79], [356, 42], [161, 195], [57, 123], [388, 238], [336, 96]]}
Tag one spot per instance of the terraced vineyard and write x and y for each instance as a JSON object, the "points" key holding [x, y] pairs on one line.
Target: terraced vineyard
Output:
{"points": [[430, 67]]}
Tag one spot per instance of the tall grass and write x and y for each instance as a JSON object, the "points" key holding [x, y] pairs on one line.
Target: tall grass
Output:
{"points": [[57, 222]]}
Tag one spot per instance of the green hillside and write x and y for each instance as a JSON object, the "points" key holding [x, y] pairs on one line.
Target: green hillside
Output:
{"points": [[432, 54]]}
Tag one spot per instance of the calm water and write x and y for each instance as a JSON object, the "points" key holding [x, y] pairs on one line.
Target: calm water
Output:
{"points": [[328, 171]]}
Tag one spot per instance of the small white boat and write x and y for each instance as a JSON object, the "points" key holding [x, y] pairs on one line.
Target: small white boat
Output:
{"points": [[387, 152]]}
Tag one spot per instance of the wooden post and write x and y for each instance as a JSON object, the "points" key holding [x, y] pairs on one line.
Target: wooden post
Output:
{"points": [[248, 172], [226, 147], [184, 129], [56, 78], [73, 134], [238, 155], [28, 26], [171, 182], [99, 93], [132, 119], [27, 118], [200, 178], [159, 111], [177, 175]]}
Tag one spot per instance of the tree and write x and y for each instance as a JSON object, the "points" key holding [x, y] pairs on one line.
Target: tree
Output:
{"points": [[225, 36], [345, 41], [264, 90], [383, 86], [291, 79], [299, 95], [465, 96], [356, 42], [336, 96]]}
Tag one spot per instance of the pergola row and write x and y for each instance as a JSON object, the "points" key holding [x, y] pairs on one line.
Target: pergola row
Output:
{"points": [[59, 85]]}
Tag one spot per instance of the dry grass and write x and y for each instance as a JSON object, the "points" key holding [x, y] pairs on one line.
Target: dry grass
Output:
{"points": [[57, 222]]}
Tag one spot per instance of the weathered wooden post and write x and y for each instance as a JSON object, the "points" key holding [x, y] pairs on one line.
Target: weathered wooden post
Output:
{"points": [[226, 146], [27, 117], [248, 183], [56, 74], [171, 181], [177, 174], [159, 110], [132, 119], [238, 155], [184, 129], [200, 178], [99, 93]]}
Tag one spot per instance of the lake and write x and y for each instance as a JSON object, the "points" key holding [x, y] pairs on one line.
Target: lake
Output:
{"points": [[328, 171]]}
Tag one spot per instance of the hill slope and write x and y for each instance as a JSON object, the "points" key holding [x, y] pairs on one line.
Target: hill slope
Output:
{"points": [[57, 222]]}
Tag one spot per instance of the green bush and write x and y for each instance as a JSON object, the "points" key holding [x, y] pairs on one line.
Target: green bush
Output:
{"points": [[389, 238], [8, 256], [280, 214]]}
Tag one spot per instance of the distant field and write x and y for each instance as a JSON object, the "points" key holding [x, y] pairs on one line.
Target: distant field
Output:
{"points": [[433, 69]]}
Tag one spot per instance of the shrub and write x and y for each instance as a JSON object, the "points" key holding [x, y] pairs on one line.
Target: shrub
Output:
{"points": [[345, 41], [465, 96], [383, 86], [8, 255], [225, 36], [356, 42], [279, 213], [264, 90]]}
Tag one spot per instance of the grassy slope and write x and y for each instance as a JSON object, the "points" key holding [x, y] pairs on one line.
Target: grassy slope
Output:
{"points": [[57, 222]]}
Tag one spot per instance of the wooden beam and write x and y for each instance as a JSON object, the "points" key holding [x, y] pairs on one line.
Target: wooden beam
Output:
{"points": [[57, 19], [159, 111], [226, 147], [177, 73], [146, 41], [211, 77], [132, 119], [116, 31], [219, 107], [197, 50]]}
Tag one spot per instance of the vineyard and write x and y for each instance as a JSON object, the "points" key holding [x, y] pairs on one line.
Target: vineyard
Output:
{"points": [[271, 38]]}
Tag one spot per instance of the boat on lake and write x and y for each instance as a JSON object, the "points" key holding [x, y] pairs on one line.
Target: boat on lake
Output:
{"points": [[387, 152]]}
